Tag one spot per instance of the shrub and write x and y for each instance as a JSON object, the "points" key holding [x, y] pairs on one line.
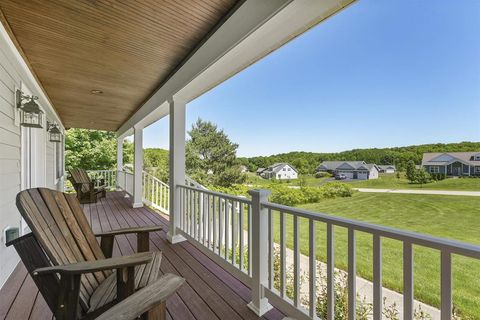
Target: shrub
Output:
{"points": [[295, 196], [322, 174], [336, 189], [438, 176]]}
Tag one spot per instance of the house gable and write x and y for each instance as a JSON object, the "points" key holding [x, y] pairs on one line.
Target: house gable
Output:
{"points": [[443, 158], [345, 166]]}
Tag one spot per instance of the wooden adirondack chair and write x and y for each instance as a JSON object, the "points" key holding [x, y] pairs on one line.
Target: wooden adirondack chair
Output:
{"points": [[76, 275], [85, 187]]}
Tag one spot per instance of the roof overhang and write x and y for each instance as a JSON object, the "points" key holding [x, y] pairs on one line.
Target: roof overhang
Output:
{"points": [[253, 31]]}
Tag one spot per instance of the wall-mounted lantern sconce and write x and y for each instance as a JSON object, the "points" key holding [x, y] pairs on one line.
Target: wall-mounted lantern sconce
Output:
{"points": [[55, 135], [30, 113]]}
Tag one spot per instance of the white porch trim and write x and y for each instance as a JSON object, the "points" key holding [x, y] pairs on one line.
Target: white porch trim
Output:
{"points": [[137, 201], [177, 165]]}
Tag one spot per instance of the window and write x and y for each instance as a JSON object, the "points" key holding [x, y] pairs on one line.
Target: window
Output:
{"points": [[477, 169], [279, 176], [434, 169], [288, 169], [284, 169], [59, 159]]}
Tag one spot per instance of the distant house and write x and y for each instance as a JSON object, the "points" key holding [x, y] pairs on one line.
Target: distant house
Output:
{"points": [[351, 169], [389, 168], [243, 169], [452, 163], [280, 171]]}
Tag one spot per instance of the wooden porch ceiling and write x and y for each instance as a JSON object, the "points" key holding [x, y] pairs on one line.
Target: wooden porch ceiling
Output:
{"points": [[124, 48]]}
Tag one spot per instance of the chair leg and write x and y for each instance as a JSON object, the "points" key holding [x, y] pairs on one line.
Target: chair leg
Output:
{"points": [[157, 313]]}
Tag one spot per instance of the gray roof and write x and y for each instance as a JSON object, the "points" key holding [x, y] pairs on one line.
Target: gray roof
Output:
{"points": [[346, 165], [277, 167], [333, 165], [446, 158], [387, 166]]}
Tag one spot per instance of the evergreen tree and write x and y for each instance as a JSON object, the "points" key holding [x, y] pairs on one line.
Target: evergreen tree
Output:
{"points": [[211, 156], [411, 171]]}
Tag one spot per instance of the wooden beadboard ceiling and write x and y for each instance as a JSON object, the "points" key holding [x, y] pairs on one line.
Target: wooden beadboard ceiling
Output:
{"points": [[124, 48]]}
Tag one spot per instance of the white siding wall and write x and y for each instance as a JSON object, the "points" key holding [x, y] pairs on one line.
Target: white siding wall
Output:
{"points": [[288, 174], [13, 73], [373, 174]]}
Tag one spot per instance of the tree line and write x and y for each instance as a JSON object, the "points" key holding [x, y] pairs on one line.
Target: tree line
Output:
{"points": [[307, 162], [211, 156]]}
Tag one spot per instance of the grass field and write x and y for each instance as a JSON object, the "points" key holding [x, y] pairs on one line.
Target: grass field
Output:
{"points": [[390, 181], [453, 217]]}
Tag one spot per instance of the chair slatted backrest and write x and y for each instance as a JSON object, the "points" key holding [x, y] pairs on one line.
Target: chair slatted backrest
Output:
{"points": [[60, 226], [81, 176]]}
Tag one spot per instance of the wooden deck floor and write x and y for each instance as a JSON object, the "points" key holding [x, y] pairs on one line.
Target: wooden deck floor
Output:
{"points": [[209, 293]]}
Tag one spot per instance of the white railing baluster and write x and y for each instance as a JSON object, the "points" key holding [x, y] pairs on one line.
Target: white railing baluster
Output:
{"points": [[270, 250], [282, 255], [214, 222], [250, 239], [205, 218], [227, 227], [377, 277], [234, 232], [330, 272], [296, 261], [352, 275], [221, 225], [446, 285], [312, 263], [241, 236], [407, 281], [191, 212]]}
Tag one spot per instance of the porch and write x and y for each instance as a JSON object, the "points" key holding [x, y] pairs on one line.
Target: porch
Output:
{"points": [[210, 292]]}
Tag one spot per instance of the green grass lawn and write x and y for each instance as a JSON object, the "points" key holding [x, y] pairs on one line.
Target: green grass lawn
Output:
{"points": [[390, 181], [453, 217]]}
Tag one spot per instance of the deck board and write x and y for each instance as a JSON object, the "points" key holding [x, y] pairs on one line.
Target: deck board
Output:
{"points": [[210, 292]]}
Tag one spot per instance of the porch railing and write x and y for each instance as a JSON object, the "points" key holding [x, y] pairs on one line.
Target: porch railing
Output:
{"points": [[125, 181], [108, 177], [221, 223], [239, 234], [155, 192]]}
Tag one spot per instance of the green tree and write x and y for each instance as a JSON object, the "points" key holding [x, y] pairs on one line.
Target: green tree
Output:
{"points": [[94, 150], [90, 149], [422, 176], [211, 156], [411, 171]]}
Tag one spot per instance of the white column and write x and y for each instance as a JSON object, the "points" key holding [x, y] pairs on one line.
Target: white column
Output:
{"points": [[259, 248], [119, 160], [138, 168], [177, 165]]}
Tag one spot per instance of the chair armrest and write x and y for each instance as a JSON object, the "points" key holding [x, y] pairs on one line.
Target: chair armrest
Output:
{"points": [[143, 238], [128, 231], [144, 299], [97, 265]]}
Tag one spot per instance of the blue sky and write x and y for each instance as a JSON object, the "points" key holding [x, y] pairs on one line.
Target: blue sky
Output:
{"points": [[379, 74]]}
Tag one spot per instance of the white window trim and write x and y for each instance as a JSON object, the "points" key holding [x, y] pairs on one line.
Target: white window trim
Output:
{"points": [[434, 169]]}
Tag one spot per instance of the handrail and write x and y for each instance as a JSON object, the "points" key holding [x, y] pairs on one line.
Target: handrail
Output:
{"points": [[219, 194], [453, 246], [156, 179]]}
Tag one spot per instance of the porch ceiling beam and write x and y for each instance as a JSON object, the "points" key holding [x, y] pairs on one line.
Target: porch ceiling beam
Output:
{"points": [[246, 19]]}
